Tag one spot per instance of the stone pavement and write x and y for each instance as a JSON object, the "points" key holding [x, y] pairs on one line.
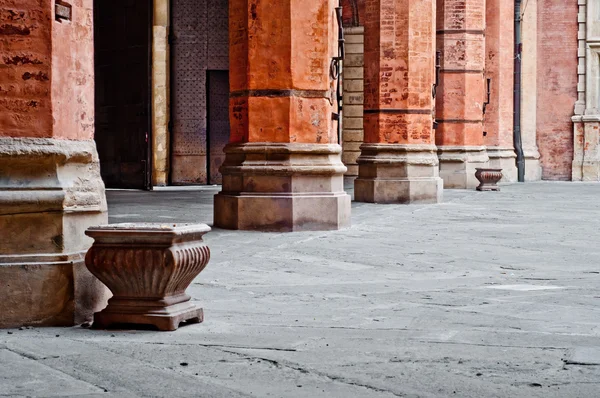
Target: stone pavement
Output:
{"points": [[485, 295]]}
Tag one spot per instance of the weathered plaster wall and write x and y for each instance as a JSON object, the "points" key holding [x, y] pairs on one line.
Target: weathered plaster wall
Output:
{"points": [[73, 74], [25, 68], [557, 85]]}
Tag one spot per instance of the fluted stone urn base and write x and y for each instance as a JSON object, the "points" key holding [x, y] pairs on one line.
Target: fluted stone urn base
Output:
{"points": [[148, 267], [488, 178]]}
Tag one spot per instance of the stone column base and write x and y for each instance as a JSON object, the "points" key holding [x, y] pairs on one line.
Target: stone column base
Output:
{"points": [[504, 158], [458, 164], [393, 173], [586, 157], [282, 187], [588, 171], [50, 193], [533, 167]]}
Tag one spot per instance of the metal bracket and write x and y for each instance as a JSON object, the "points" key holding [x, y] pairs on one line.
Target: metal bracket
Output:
{"points": [[336, 70], [489, 95], [438, 68], [336, 61]]}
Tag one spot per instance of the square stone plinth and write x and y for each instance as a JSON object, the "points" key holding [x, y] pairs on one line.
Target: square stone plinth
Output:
{"points": [[148, 267]]}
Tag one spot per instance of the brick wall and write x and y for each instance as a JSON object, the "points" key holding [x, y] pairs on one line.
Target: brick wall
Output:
{"points": [[557, 85]]}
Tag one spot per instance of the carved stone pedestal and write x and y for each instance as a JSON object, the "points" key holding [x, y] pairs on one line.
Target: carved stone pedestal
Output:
{"points": [[282, 187], [394, 173], [148, 267], [50, 193]]}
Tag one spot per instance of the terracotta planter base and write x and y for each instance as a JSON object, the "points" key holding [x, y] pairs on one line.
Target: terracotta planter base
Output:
{"points": [[148, 267], [138, 312], [488, 178]]}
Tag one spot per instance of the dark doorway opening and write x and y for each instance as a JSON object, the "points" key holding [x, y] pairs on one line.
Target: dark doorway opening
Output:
{"points": [[122, 49], [218, 121]]}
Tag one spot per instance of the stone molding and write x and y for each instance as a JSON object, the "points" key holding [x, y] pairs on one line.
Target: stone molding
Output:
{"points": [[398, 153], [460, 153], [45, 174], [283, 159]]}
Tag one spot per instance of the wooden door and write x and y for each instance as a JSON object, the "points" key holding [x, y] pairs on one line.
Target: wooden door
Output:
{"points": [[218, 121], [122, 37]]}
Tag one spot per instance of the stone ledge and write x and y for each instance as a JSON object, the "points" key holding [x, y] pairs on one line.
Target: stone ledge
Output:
{"points": [[49, 175]]}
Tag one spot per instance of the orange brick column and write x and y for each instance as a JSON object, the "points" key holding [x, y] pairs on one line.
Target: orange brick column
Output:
{"points": [[499, 67], [50, 185], [398, 162], [283, 168], [459, 104]]}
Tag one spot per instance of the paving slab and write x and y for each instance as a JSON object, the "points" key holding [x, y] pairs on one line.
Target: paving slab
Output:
{"points": [[484, 295]]}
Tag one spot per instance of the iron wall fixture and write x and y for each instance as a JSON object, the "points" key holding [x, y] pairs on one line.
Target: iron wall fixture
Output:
{"points": [[335, 71], [438, 68], [489, 94]]}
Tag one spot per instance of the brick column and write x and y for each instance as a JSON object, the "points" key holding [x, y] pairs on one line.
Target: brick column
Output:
{"points": [[398, 162], [499, 67], [283, 169], [459, 104], [50, 186]]}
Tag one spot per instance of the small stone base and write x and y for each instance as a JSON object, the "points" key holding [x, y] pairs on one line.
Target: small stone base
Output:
{"points": [[148, 267], [392, 173], [458, 164], [533, 168], [586, 151], [282, 188], [144, 312], [505, 159], [283, 213]]}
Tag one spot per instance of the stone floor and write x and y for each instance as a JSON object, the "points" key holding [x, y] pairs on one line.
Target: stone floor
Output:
{"points": [[485, 295]]}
